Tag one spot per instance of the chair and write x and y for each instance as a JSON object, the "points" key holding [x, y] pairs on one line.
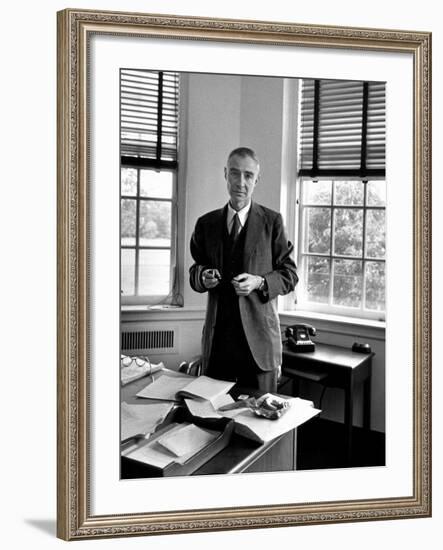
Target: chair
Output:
{"points": [[193, 367], [296, 374]]}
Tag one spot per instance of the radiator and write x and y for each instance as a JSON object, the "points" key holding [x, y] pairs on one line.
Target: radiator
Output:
{"points": [[155, 340]]}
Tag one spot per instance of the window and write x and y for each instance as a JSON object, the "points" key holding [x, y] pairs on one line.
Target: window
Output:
{"points": [[149, 164], [342, 198]]}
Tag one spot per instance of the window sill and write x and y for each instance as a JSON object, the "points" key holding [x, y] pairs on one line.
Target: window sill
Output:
{"points": [[335, 323], [154, 313]]}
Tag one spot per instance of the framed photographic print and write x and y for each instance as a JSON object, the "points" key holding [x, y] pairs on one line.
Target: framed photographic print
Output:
{"points": [[243, 274]]}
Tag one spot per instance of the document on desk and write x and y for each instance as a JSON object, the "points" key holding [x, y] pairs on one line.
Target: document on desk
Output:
{"points": [[262, 430], [187, 441], [142, 418], [170, 387], [204, 387], [166, 387], [205, 409], [177, 436]]}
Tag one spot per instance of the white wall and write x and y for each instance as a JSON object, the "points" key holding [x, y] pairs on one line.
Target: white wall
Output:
{"points": [[213, 130], [29, 269], [222, 112]]}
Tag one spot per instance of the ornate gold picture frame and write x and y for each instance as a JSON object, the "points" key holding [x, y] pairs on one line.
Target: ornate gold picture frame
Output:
{"points": [[76, 518]]}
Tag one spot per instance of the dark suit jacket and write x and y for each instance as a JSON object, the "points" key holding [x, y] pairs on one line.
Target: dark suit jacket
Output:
{"points": [[267, 253]]}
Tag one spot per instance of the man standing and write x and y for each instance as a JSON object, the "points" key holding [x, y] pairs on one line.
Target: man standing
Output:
{"points": [[242, 259]]}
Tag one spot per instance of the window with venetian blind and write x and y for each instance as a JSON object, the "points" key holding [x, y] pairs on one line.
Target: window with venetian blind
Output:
{"points": [[342, 199], [149, 102]]}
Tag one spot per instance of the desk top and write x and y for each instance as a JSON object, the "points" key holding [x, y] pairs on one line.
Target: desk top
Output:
{"points": [[333, 355], [240, 454]]}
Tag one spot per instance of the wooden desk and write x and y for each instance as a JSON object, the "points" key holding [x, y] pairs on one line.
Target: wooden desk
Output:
{"points": [[344, 369], [241, 455]]}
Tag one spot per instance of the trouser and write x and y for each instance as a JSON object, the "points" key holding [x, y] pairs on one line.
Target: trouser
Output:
{"points": [[231, 358]]}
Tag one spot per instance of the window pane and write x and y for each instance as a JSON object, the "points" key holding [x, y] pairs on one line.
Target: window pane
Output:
{"points": [[376, 193], [127, 271], [347, 283], [154, 272], [317, 230], [127, 221], [157, 185], [317, 192], [317, 285], [350, 193], [375, 286], [348, 231], [375, 233], [155, 223], [129, 181]]}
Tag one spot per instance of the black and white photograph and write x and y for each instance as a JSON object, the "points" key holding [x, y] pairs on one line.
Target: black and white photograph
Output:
{"points": [[243, 275], [252, 273]]}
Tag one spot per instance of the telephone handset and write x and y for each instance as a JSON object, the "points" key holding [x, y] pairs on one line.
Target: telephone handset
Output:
{"points": [[299, 337]]}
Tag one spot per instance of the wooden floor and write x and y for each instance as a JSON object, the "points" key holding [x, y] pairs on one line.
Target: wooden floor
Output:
{"points": [[321, 444]]}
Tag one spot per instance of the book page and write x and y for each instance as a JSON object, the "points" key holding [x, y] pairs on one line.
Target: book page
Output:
{"points": [[205, 409], [165, 388], [207, 388]]}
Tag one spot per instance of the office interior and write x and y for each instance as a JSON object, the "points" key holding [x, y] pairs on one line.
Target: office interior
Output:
{"points": [[218, 113]]}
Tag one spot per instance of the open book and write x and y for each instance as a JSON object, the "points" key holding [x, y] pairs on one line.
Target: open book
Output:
{"points": [[172, 388]]}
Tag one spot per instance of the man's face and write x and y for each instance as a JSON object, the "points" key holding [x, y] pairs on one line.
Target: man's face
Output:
{"points": [[241, 175]]}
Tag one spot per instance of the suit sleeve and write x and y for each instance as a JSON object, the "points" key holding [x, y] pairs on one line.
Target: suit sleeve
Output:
{"points": [[201, 262], [283, 278]]}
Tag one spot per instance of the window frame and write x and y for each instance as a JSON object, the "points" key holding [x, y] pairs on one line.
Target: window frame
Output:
{"points": [[152, 299], [174, 295], [301, 302]]}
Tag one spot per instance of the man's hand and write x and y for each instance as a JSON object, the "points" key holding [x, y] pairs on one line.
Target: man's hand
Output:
{"points": [[245, 283], [211, 278]]}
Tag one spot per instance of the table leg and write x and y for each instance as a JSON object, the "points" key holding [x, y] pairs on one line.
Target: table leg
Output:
{"points": [[367, 401], [349, 408]]}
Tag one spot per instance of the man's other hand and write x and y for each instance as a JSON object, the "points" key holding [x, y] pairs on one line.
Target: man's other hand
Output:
{"points": [[245, 283], [211, 278]]}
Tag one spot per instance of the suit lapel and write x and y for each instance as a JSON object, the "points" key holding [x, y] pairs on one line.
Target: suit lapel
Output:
{"points": [[254, 228], [217, 236]]}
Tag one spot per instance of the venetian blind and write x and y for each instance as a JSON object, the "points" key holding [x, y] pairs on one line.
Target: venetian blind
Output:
{"points": [[342, 129], [149, 117]]}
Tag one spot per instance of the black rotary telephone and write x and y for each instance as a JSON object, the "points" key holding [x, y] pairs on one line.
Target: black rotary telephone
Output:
{"points": [[299, 338]]}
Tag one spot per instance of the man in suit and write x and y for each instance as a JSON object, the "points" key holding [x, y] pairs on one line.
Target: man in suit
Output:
{"points": [[243, 260]]}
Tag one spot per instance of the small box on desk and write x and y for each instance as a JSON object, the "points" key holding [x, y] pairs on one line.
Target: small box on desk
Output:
{"points": [[134, 468]]}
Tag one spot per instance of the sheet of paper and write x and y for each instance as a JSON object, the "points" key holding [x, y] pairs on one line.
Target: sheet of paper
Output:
{"points": [[142, 418], [262, 429], [165, 387], [134, 371], [151, 452], [208, 388], [205, 409], [187, 441]]}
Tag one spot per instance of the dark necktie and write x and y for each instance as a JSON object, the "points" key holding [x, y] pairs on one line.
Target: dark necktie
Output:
{"points": [[235, 229]]}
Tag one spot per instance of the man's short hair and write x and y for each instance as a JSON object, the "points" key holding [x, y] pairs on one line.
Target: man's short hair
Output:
{"points": [[243, 152]]}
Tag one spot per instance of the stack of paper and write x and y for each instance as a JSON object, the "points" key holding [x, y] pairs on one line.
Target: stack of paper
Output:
{"points": [[142, 419], [178, 443]]}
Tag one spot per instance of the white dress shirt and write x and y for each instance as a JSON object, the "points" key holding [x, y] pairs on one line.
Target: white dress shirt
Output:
{"points": [[242, 216]]}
